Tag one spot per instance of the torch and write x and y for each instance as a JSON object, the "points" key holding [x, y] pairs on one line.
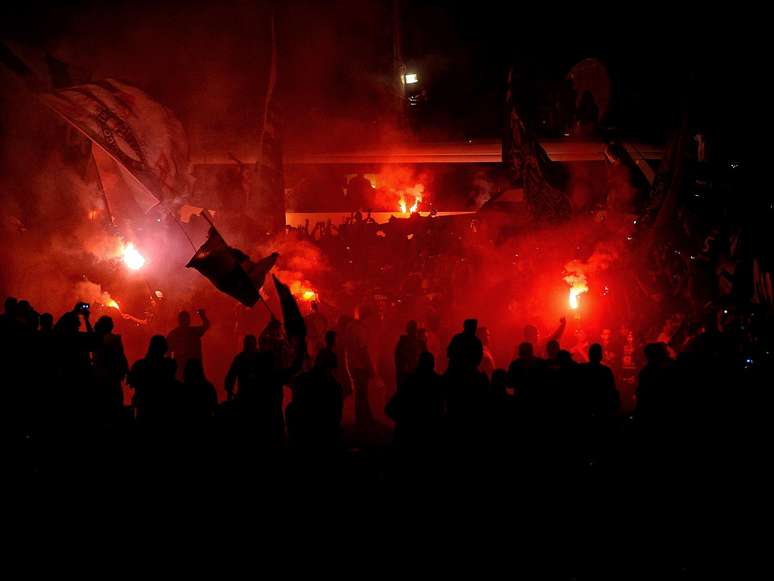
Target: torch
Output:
{"points": [[578, 286]]}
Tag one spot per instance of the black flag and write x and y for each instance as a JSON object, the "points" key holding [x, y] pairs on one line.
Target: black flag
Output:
{"points": [[231, 270], [544, 181], [295, 328]]}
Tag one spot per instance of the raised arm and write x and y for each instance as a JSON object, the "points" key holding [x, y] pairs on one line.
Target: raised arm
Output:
{"points": [[205, 320], [559, 330]]}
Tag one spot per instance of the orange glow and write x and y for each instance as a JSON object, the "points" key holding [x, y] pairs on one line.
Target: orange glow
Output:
{"points": [[302, 290], [416, 191], [113, 304], [578, 286], [132, 257]]}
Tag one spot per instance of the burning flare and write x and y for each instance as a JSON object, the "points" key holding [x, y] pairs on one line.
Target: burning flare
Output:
{"points": [[113, 304], [417, 192], [302, 290], [578, 286], [132, 258]]}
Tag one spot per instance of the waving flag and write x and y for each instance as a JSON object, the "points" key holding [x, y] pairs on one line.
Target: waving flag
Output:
{"points": [[142, 136], [544, 181], [230, 269], [295, 327]]}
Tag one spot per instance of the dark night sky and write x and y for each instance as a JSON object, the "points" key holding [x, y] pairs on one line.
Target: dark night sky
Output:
{"points": [[208, 61]]}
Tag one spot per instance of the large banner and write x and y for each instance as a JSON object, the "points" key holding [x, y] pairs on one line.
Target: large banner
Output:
{"points": [[145, 138]]}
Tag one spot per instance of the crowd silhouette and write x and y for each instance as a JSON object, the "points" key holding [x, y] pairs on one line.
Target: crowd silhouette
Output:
{"points": [[67, 377], [545, 427]]}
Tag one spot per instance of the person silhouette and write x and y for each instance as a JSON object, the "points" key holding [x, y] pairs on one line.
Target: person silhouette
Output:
{"points": [[465, 350], [467, 389], [46, 323], [525, 372], [417, 408], [185, 340], [110, 367], [153, 381], [316, 325], [532, 335], [656, 387], [314, 413], [329, 350], [245, 368], [361, 367], [259, 402], [597, 403], [199, 399], [487, 361], [600, 397], [407, 353], [73, 364]]}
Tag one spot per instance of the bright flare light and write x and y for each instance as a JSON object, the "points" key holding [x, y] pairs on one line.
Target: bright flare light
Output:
{"points": [[132, 258], [578, 286], [113, 304], [411, 79], [417, 192]]}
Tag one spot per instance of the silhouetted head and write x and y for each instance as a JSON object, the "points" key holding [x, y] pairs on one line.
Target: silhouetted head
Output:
{"points": [[249, 343], [46, 322], [531, 334], [193, 371], [483, 334], [104, 325], [411, 328], [32, 319], [330, 339], [552, 348], [526, 350], [595, 353], [426, 362], [68, 324], [157, 346], [469, 326], [184, 319], [23, 307], [564, 358], [10, 306]]}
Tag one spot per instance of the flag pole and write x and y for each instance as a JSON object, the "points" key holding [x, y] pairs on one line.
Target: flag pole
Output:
{"points": [[265, 304], [187, 237]]}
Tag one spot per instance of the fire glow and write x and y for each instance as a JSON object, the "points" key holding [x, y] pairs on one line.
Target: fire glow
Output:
{"points": [[578, 286], [303, 291], [417, 192], [132, 257]]}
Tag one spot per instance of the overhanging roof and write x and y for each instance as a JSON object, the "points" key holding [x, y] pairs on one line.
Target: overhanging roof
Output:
{"points": [[562, 150]]}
